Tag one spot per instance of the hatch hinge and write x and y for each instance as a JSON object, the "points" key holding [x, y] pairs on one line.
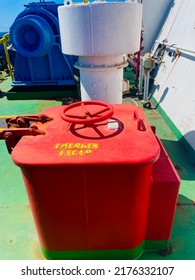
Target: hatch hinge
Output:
{"points": [[19, 126], [24, 120]]}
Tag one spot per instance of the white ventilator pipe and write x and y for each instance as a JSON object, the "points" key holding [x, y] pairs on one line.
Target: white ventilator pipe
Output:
{"points": [[100, 33]]}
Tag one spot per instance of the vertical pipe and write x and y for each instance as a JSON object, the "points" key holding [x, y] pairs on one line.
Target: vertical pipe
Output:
{"points": [[139, 58], [137, 65], [146, 86], [141, 76]]}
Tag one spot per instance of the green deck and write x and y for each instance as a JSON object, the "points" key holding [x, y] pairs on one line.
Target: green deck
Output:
{"points": [[18, 238]]}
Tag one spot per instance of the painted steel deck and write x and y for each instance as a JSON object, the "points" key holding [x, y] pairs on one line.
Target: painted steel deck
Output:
{"points": [[18, 238]]}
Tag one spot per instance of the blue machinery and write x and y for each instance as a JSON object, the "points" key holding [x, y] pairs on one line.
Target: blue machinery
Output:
{"points": [[36, 38]]}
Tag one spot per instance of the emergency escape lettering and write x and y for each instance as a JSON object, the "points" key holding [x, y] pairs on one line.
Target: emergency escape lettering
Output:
{"points": [[75, 149]]}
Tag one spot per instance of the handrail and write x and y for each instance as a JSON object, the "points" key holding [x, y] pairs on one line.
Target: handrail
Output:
{"points": [[4, 41]]}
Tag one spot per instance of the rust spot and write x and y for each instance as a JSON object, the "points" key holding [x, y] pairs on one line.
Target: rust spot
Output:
{"points": [[155, 118], [10, 241], [43, 105], [165, 252], [120, 67]]}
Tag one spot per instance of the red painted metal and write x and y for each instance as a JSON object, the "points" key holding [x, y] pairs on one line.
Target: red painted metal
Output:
{"points": [[163, 200], [13, 135], [90, 186], [104, 112]]}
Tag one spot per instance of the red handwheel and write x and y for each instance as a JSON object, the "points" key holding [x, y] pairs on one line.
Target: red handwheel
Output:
{"points": [[87, 112]]}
